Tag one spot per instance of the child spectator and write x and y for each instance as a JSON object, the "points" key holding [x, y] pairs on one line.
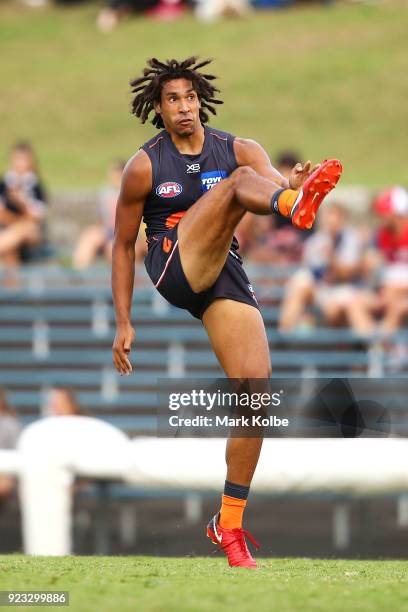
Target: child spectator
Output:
{"points": [[97, 239], [22, 206]]}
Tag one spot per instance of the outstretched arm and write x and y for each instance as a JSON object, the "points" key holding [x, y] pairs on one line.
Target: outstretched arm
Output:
{"points": [[136, 184]]}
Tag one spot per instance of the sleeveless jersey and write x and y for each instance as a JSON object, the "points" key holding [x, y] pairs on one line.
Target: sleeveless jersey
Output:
{"points": [[178, 180]]}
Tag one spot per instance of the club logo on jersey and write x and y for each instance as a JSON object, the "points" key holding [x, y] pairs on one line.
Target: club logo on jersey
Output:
{"points": [[211, 179], [193, 168], [170, 189]]}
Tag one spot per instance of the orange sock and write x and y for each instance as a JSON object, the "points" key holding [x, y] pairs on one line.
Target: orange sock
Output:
{"points": [[232, 510], [286, 200]]}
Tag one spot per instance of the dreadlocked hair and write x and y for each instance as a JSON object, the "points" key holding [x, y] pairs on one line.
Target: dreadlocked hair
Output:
{"points": [[148, 88]]}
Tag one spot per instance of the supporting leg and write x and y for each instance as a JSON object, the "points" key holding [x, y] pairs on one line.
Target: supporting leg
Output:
{"points": [[238, 337]]}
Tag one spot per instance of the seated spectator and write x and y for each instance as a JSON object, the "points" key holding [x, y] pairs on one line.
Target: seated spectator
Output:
{"points": [[117, 10], [22, 206], [286, 160], [330, 277], [256, 234], [270, 243], [392, 244], [61, 401], [10, 429], [211, 10], [97, 239]]}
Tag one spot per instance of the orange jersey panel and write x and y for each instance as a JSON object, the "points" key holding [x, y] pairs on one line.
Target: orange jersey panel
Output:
{"points": [[174, 219]]}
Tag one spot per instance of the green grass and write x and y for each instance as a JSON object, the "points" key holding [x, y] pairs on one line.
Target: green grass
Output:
{"points": [[328, 81], [190, 584]]}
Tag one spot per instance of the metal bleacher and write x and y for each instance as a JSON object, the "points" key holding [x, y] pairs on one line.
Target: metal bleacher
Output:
{"points": [[57, 327]]}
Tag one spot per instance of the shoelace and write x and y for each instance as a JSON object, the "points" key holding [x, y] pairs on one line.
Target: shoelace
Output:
{"points": [[240, 540], [242, 534]]}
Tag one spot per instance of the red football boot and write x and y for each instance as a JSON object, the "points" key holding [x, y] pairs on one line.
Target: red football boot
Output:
{"points": [[313, 192], [232, 542]]}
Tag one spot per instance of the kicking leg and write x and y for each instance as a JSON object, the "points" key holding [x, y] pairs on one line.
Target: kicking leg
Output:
{"points": [[205, 232]]}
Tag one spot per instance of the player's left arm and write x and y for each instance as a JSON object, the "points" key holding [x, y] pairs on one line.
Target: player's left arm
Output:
{"points": [[250, 153]]}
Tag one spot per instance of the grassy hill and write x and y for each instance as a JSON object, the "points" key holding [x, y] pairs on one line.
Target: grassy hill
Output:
{"points": [[327, 81]]}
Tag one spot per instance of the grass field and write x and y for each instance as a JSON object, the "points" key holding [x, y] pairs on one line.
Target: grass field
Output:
{"points": [[190, 584], [327, 81]]}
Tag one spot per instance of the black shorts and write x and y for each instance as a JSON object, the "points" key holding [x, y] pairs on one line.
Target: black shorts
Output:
{"points": [[164, 268]]}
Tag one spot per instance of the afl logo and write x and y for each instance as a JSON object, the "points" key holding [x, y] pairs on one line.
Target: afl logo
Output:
{"points": [[169, 190]]}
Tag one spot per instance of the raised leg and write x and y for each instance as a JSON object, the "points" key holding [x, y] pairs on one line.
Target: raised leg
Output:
{"points": [[206, 230]]}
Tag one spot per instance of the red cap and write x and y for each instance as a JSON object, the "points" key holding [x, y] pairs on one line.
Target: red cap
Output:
{"points": [[393, 201]]}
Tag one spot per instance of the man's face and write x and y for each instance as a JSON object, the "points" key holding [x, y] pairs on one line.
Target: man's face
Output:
{"points": [[179, 107]]}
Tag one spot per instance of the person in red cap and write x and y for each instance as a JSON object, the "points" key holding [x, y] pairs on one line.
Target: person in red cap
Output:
{"points": [[391, 206], [384, 310]]}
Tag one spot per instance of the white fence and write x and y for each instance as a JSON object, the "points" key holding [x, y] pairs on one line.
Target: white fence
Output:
{"points": [[53, 451]]}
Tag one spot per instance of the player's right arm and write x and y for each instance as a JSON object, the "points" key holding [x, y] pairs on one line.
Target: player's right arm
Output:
{"points": [[136, 184]]}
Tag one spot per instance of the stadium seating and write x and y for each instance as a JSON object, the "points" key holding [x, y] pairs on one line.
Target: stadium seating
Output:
{"points": [[57, 329]]}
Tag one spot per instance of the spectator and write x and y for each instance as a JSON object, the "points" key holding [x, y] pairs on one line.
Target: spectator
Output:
{"points": [[387, 262], [211, 10], [258, 234], [285, 161], [117, 10], [9, 432], [330, 277], [61, 402], [272, 244], [22, 206], [392, 244], [98, 238]]}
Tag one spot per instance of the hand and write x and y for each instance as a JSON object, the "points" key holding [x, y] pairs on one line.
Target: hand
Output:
{"points": [[121, 348], [300, 173], [17, 196]]}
